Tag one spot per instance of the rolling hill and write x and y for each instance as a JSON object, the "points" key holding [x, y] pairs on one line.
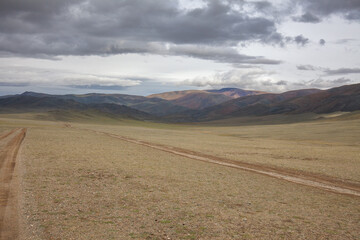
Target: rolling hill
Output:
{"points": [[200, 99], [345, 98], [189, 106], [153, 106], [44, 103]]}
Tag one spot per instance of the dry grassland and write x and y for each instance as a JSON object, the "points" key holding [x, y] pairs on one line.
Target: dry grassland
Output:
{"points": [[81, 185], [327, 148]]}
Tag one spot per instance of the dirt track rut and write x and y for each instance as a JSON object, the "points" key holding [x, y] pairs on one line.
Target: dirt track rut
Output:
{"points": [[304, 178], [8, 156]]}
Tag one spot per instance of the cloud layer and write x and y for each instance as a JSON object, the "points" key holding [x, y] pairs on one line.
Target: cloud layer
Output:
{"points": [[319, 9], [47, 29], [220, 31], [79, 27]]}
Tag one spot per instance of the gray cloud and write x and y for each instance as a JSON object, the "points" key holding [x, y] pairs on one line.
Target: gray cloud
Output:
{"points": [[322, 42], [12, 77], [342, 71], [307, 17], [219, 54], [78, 27], [307, 68], [324, 83], [349, 9], [260, 79], [282, 83], [99, 87], [329, 72], [345, 40], [14, 84], [301, 40]]}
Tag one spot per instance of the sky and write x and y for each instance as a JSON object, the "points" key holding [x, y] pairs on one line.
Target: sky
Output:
{"points": [[143, 47]]}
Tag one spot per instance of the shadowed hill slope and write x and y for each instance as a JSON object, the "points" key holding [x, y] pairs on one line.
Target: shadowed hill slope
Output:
{"points": [[153, 106], [236, 92], [26, 103]]}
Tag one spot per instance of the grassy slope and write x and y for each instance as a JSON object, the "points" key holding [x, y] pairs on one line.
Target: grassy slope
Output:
{"points": [[80, 185], [86, 116], [326, 146]]}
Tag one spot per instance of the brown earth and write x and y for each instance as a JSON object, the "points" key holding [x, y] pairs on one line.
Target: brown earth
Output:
{"points": [[8, 199], [5, 135], [295, 176]]}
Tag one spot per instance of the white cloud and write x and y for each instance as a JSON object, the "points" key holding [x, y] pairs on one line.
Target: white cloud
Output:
{"points": [[251, 79], [47, 77]]}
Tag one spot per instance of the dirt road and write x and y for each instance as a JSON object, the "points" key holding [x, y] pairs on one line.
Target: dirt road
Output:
{"points": [[8, 208], [304, 178]]}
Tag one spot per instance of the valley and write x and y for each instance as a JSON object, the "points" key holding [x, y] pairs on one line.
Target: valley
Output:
{"points": [[145, 180]]}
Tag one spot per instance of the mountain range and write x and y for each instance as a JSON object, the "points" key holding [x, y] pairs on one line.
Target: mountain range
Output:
{"points": [[190, 105]]}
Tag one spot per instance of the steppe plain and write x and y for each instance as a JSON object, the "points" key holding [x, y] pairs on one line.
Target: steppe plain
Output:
{"points": [[120, 180]]}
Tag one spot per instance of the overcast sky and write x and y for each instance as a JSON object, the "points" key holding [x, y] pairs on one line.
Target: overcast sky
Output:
{"points": [[149, 46]]}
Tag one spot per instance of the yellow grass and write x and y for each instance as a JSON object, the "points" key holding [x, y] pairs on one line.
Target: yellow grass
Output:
{"points": [[82, 185], [322, 147]]}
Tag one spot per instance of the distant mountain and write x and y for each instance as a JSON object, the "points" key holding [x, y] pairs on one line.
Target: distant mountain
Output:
{"points": [[43, 103], [153, 106], [345, 98], [188, 106], [21, 102], [236, 92], [200, 99], [35, 94]]}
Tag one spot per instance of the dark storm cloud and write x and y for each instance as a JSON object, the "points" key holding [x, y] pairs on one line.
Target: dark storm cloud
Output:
{"points": [[349, 9], [342, 71], [307, 18], [219, 54], [43, 28]]}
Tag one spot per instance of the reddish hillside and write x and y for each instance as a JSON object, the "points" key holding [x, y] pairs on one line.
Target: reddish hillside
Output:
{"points": [[173, 95], [263, 104], [200, 99], [345, 99]]}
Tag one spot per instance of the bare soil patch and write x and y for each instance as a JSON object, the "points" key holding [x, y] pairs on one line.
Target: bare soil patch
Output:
{"points": [[8, 208], [5, 135]]}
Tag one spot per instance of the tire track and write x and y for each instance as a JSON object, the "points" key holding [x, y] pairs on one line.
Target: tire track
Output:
{"points": [[7, 167], [5, 135], [303, 178]]}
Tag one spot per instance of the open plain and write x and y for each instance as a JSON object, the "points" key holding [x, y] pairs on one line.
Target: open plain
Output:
{"points": [[142, 180]]}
